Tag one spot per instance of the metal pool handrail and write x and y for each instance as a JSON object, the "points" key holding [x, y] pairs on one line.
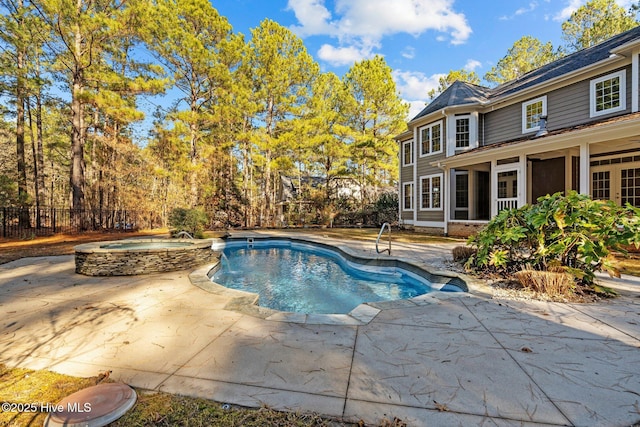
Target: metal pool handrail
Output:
{"points": [[184, 234], [386, 224]]}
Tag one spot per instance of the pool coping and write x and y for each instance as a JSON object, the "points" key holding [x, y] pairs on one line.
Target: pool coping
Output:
{"points": [[247, 302]]}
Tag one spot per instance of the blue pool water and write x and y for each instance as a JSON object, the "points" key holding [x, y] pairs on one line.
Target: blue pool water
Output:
{"points": [[308, 279]]}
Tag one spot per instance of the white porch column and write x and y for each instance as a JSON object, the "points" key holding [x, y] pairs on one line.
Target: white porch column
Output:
{"points": [[568, 164], [493, 179], [416, 184], [522, 180], [584, 168], [446, 195], [635, 75]]}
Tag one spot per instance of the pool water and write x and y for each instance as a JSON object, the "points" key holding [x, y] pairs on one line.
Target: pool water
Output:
{"points": [[310, 280]]}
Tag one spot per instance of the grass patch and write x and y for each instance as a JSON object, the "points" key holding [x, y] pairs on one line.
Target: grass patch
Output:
{"points": [[152, 409], [162, 409], [40, 387]]}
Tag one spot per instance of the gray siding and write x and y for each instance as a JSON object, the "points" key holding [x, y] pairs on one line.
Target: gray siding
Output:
{"points": [[424, 168], [566, 107], [431, 215], [503, 124], [406, 175]]}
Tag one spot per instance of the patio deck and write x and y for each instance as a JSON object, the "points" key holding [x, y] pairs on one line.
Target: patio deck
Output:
{"points": [[445, 359]]}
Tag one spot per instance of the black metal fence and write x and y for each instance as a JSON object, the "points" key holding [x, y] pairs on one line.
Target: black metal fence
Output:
{"points": [[30, 222]]}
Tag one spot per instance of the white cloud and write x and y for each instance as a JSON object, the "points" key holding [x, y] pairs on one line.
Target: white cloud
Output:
{"points": [[364, 23], [521, 11], [472, 64], [313, 16], [573, 5], [566, 12], [408, 52], [414, 108], [338, 56], [414, 85]]}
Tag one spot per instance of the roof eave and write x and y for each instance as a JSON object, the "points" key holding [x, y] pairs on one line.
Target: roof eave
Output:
{"points": [[567, 76], [604, 132], [443, 111]]}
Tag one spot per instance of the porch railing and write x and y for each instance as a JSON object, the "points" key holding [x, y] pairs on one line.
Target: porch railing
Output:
{"points": [[510, 203]]}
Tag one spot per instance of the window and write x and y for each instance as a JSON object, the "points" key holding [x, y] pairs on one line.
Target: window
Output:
{"points": [[461, 210], [407, 153], [608, 94], [601, 185], [630, 187], [431, 192], [531, 113], [407, 196], [462, 132], [431, 139]]}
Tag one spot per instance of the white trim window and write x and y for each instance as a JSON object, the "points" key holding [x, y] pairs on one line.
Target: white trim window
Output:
{"points": [[431, 139], [407, 196], [407, 153], [608, 94], [461, 195], [463, 132], [532, 111], [431, 192]]}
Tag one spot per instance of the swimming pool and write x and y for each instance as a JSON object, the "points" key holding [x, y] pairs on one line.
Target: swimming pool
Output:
{"points": [[304, 277]]}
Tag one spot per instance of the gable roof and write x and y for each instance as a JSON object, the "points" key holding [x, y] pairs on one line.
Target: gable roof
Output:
{"points": [[461, 93]]}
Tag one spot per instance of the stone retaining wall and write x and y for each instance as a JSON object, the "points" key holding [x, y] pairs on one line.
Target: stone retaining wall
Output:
{"points": [[94, 260]]}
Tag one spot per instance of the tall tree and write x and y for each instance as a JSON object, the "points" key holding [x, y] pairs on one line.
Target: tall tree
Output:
{"points": [[596, 21], [15, 37], [526, 54], [325, 130], [453, 76], [83, 30], [282, 71], [377, 114], [117, 80], [188, 38]]}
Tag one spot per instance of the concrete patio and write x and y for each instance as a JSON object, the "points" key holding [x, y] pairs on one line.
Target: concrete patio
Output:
{"points": [[442, 359]]}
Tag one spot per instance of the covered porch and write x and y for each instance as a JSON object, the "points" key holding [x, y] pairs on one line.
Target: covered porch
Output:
{"points": [[601, 160]]}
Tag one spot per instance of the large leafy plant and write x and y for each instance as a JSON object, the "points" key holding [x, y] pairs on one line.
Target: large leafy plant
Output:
{"points": [[571, 233]]}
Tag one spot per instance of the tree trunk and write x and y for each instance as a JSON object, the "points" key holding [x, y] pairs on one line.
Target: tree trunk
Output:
{"points": [[39, 160], [36, 169], [77, 181], [24, 219]]}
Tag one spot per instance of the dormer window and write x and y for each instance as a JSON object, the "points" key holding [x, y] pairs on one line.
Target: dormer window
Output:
{"points": [[608, 94], [532, 111], [431, 139]]}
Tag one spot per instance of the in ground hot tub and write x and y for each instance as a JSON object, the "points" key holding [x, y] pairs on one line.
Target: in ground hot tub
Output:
{"points": [[142, 256]]}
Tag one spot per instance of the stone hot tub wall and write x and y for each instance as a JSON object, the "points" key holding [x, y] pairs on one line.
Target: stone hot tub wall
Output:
{"points": [[94, 260]]}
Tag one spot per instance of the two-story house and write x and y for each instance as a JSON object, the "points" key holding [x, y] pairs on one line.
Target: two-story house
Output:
{"points": [[572, 124]]}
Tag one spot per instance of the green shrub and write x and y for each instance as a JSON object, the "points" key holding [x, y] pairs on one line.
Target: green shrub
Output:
{"points": [[193, 221], [386, 208], [570, 233]]}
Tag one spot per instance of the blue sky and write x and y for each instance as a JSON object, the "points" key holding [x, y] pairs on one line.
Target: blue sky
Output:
{"points": [[420, 39]]}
